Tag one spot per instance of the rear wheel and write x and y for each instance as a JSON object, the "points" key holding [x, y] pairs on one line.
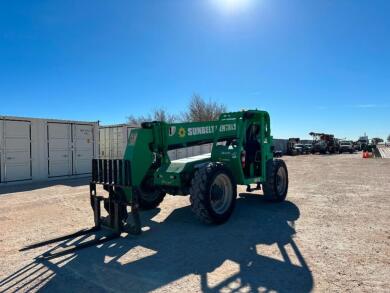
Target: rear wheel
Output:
{"points": [[149, 196], [276, 186], [213, 193]]}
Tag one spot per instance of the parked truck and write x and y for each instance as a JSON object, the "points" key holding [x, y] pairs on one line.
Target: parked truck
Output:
{"points": [[293, 147], [324, 143], [346, 146], [362, 143]]}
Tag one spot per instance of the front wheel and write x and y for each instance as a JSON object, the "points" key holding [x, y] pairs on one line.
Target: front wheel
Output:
{"points": [[149, 196], [213, 193], [276, 186]]}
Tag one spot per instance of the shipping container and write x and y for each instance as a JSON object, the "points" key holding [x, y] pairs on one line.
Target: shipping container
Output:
{"points": [[33, 149], [113, 140]]}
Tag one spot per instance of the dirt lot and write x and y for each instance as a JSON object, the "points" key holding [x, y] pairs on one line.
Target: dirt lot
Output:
{"points": [[332, 234]]}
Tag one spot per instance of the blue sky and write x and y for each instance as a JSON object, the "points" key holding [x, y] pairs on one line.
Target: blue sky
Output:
{"points": [[314, 65]]}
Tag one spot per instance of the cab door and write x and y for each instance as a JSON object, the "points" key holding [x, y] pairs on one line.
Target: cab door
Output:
{"points": [[252, 147]]}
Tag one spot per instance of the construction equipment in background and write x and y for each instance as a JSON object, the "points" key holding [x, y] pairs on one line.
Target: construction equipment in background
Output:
{"points": [[346, 146], [308, 148], [242, 154], [324, 143], [302, 149], [292, 148], [362, 143]]}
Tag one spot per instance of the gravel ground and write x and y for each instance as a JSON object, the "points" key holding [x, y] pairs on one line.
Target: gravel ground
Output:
{"points": [[331, 235]]}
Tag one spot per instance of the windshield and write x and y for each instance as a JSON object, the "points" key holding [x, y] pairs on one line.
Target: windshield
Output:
{"points": [[345, 143]]}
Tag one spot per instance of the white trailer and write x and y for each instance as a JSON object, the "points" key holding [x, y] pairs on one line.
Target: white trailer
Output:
{"points": [[33, 149]]}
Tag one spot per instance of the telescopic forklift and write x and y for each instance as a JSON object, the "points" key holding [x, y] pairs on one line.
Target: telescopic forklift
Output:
{"points": [[242, 154]]}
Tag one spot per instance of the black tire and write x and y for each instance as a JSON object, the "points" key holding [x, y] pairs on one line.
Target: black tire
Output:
{"points": [[277, 175], [149, 197], [204, 181]]}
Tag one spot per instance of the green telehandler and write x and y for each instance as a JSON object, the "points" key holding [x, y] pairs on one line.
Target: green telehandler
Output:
{"points": [[242, 154]]}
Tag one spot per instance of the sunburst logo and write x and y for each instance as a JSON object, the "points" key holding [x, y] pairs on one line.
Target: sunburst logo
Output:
{"points": [[182, 132]]}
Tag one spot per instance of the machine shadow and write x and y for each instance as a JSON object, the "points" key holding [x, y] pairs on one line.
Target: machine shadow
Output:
{"points": [[28, 186], [180, 248]]}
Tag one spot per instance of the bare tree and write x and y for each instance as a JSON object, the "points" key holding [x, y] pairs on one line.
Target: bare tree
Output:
{"points": [[162, 115], [137, 120], [157, 115], [200, 110]]}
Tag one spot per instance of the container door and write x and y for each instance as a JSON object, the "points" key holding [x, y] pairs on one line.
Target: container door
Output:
{"points": [[114, 142], [104, 143], [122, 132], [59, 149], [118, 142], [17, 150], [83, 153]]}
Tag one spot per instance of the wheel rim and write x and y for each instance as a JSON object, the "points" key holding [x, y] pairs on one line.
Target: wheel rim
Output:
{"points": [[221, 193], [281, 180]]}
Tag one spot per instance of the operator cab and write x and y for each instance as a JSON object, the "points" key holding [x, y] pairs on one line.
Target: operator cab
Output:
{"points": [[252, 166]]}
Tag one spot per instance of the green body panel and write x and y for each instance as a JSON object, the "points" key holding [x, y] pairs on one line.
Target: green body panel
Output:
{"points": [[178, 173], [140, 156], [148, 146]]}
